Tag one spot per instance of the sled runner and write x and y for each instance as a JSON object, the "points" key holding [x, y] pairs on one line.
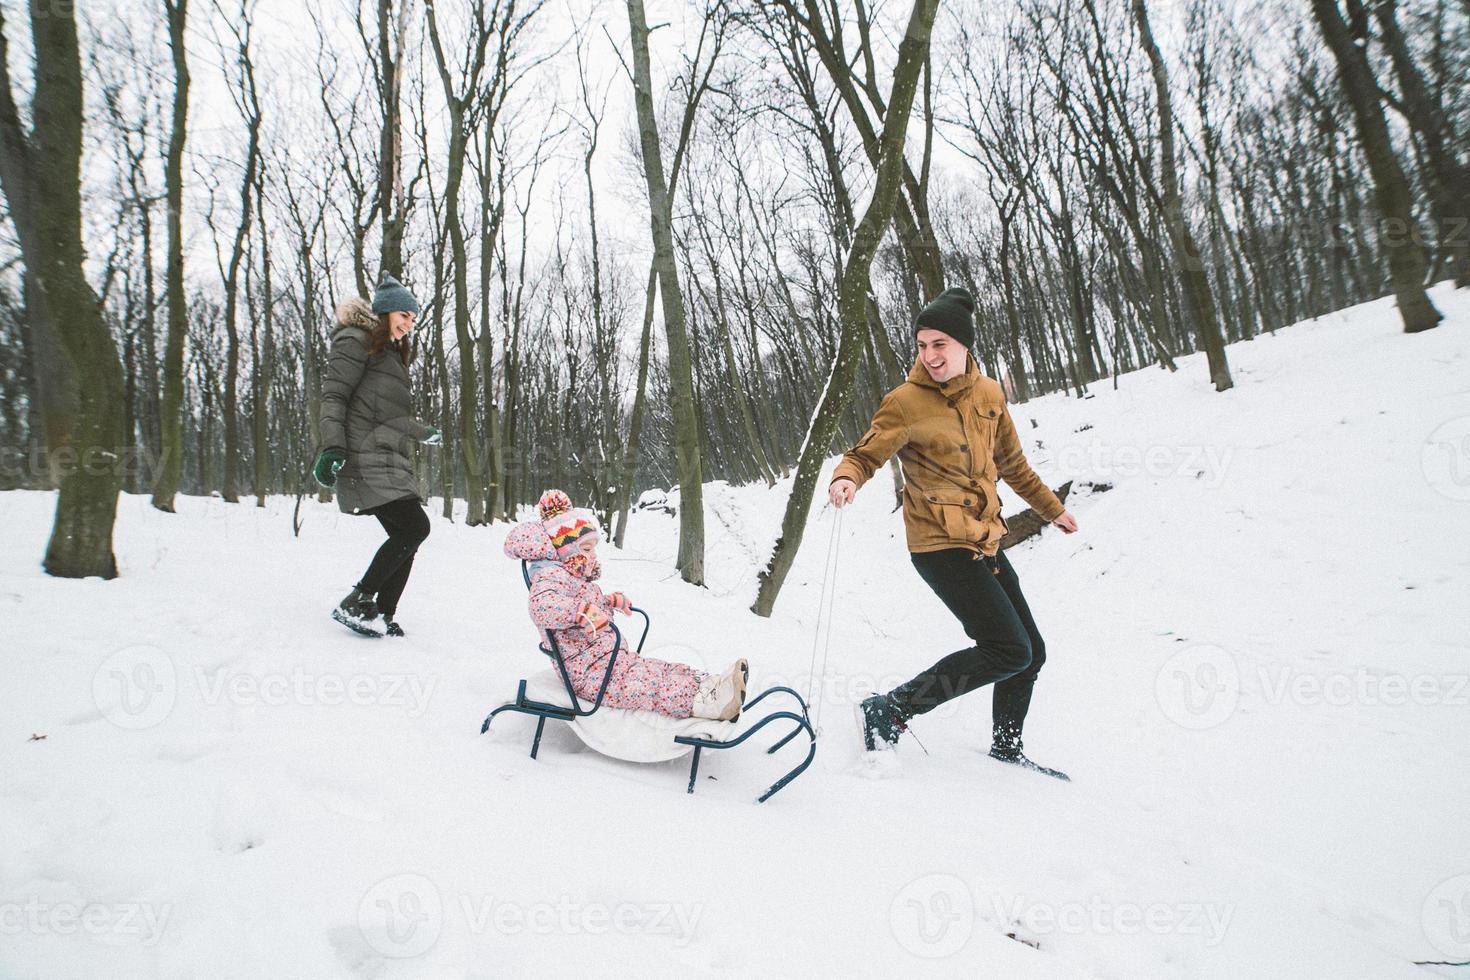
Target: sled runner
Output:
{"points": [[644, 736]]}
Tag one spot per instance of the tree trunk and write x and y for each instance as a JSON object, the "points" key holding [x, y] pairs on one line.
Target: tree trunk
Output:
{"points": [[171, 407], [41, 177], [635, 422], [1194, 279], [1449, 178], [1400, 233], [852, 303], [391, 204], [468, 385], [238, 255], [681, 383], [264, 362]]}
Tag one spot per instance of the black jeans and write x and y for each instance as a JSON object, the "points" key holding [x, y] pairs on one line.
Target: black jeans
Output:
{"points": [[407, 526], [985, 596]]}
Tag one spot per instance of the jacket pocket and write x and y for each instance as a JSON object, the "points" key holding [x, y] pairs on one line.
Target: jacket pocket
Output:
{"points": [[985, 416], [957, 511]]}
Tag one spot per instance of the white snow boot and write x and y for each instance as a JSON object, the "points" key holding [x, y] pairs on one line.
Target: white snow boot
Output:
{"points": [[720, 696]]}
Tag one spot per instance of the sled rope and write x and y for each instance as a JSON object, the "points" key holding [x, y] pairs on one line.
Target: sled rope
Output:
{"points": [[820, 639]]}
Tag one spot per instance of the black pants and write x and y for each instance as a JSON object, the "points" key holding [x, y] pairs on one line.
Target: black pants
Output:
{"points": [[985, 596], [407, 526]]}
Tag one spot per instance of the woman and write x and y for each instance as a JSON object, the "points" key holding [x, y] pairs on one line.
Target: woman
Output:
{"points": [[367, 428]]}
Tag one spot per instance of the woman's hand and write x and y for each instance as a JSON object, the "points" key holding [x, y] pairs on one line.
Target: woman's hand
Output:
{"points": [[591, 617], [621, 603], [327, 465], [1066, 522]]}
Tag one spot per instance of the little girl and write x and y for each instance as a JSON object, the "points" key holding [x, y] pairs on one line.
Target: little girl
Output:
{"points": [[561, 555]]}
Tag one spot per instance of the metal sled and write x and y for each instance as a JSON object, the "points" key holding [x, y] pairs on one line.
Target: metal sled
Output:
{"points": [[570, 712]]}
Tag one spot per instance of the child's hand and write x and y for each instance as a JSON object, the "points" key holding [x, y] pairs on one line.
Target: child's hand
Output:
{"points": [[621, 603], [591, 617]]}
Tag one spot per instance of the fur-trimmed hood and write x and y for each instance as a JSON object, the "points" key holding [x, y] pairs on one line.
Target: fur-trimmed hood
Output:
{"points": [[355, 314]]}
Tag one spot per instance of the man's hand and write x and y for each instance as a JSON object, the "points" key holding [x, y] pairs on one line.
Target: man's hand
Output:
{"points": [[1066, 522], [841, 491]]}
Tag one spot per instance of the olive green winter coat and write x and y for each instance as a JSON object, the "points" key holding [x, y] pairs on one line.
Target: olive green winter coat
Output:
{"points": [[367, 412]]}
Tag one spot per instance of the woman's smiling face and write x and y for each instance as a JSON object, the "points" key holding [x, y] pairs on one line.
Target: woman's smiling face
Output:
{"points": [[400, 324]]}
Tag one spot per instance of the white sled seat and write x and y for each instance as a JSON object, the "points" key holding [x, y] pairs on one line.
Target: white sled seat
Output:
{"points": [[627, 734]]}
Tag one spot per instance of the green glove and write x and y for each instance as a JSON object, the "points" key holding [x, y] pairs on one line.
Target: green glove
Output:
{"points": [[434, 438], [327, 465]]}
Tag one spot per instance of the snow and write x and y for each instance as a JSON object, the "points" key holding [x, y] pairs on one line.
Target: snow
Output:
{"points": [[1257, 677]]}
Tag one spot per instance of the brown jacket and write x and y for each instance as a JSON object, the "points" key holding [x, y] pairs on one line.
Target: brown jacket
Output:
{"points": [[953, 440]]}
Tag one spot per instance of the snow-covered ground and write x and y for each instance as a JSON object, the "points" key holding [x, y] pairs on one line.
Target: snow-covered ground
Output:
{"points": [[1258, 651]]}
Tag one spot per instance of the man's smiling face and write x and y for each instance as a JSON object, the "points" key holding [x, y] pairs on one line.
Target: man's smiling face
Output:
{"points": [[942, 356]]}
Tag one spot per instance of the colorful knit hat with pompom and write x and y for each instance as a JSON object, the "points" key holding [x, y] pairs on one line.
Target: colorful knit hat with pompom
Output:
{"points": [[565, 525]]}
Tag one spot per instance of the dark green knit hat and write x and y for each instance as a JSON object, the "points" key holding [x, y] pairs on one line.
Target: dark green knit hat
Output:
{"points": [[392, 296], [951, 312]]}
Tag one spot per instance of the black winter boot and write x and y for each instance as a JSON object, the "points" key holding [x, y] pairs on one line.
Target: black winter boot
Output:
{"points": [[1010, 753], [357, 611], [882, 723]]}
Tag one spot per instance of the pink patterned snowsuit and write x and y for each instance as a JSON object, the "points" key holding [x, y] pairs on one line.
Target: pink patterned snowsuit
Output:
{"points": [[556, 597]]}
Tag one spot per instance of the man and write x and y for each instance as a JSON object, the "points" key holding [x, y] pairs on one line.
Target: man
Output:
{"points": [[949, 425]]}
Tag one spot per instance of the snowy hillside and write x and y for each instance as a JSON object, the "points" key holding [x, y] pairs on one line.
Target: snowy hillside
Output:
{"points": [[1258, 651]]}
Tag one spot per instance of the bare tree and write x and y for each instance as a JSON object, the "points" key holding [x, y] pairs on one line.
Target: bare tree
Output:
{"points": [[1188, 264], [690, 561], [40, 173], [171, 405], [1401, 235], [912, 54]]}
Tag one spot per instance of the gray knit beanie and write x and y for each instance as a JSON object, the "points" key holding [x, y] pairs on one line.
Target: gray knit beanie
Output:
{"points": [[951, 312], [392, 296]]}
